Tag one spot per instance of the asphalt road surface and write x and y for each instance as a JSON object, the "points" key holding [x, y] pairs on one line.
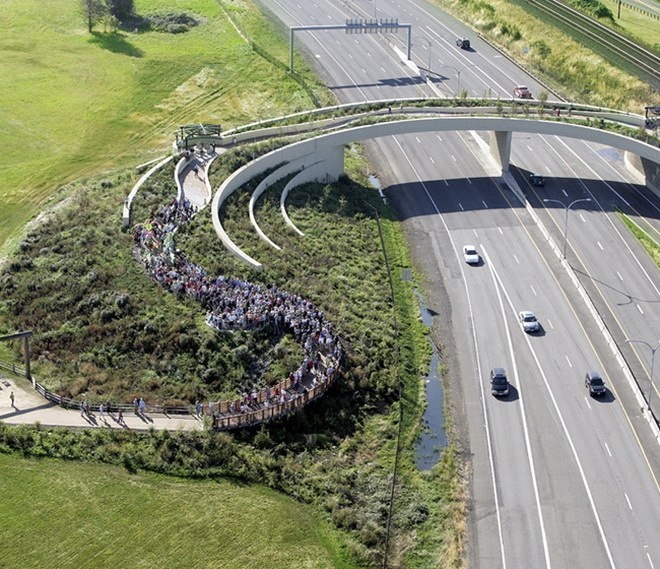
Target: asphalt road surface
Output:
{"points": [[559, 479]]}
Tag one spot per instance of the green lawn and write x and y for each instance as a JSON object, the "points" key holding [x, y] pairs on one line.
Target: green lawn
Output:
{"points": [[66, 514], [75, 104]]}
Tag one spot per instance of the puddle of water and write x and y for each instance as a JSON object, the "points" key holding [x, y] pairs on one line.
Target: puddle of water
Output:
{"points": [[433, 438], [375, 182]]}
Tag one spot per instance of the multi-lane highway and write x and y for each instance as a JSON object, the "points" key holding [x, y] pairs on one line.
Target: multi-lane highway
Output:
{"points": [[560, 479]]}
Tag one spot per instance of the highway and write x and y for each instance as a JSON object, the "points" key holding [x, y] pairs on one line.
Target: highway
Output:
{"points": [[559, 479]]}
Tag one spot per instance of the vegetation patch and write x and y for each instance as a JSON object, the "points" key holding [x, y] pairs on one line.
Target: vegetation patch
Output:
{"points": [[106, 517], [172, 22], [571, 69], [647, 241]]}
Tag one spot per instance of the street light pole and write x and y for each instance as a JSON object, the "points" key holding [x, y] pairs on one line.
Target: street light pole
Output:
{"points": [[653, 350], [458, 74], [567, 208], [430, 45]]}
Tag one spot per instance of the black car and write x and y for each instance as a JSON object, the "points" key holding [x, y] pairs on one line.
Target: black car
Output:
{"points": [[463, 43], [499, 384], [536, 180], [594, 383]]}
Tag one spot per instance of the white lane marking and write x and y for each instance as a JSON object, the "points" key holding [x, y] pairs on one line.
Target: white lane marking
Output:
{"points": [[454, 158], [583, 476], [530, 286], [628, 500], [499, 288], [461, 206], [599, 245], [569, 361], [650, 561], [582, 218], [516, 259], [586, 400], [564, 192], [485, 204], [640, 309], [439, 137], [418, 140], [369, 54], [607, 449], [436, 250], [618, 274], [431, 159], [475, 232], [500, 230]]}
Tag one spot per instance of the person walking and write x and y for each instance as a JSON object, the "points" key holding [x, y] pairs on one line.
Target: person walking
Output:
{"points": [[11, 398], [198, 408], [101, 410], [120, 416], [142, 405]]}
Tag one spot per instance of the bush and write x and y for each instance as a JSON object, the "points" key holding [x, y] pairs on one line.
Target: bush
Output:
{"points": [[172, 22]]}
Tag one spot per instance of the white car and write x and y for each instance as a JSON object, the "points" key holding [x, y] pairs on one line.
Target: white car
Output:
{"points": [[528, 321], [470, 254]]}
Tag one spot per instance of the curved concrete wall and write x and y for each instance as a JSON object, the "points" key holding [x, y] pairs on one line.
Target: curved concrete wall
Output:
{"points": [[324, 154]]}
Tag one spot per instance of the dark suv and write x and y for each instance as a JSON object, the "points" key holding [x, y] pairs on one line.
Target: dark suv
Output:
{"points": [[463, 43], [499, 384], [536, 180], [594, 383]]}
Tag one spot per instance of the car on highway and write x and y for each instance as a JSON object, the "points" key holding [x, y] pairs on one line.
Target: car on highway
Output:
{"points": [[470, 255], [499, 384], [463, 43], [522, 92], [595, 384], [528, 321], [536, 180]]}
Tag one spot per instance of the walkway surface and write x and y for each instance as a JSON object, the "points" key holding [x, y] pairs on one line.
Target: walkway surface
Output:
{"points": [[30, 407]]}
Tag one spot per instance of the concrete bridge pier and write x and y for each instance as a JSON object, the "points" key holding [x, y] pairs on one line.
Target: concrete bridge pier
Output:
{"points": [[331, 168], [500, 148]]}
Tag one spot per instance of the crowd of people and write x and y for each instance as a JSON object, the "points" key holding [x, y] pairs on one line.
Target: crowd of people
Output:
{"points": [[234, 304]]}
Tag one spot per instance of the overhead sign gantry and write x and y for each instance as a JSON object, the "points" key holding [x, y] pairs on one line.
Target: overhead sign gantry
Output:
{"points": [[355, 26]]}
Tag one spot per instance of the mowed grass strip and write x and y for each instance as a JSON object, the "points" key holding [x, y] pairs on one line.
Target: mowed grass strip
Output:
{"points": [[65, 514]]}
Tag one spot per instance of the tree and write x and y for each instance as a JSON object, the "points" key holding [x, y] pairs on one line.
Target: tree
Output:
{"points": [[94, 11], [121, 9]]}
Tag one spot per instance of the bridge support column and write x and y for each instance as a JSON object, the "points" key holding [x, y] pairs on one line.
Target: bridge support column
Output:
{"points": [[651, 172], [500, 148], [332, 165]]}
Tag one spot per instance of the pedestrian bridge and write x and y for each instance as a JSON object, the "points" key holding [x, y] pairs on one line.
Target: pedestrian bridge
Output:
{"points": [[322, 158]]}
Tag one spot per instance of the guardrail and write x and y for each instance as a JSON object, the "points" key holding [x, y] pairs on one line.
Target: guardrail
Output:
{"points": [[224, 415]]}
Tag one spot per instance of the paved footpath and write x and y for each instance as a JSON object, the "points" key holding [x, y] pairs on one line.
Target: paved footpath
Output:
{"points": [[30, 407]]}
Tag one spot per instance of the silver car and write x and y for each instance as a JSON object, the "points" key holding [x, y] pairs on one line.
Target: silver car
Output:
{"points": [[528, 321], [470, 255]]}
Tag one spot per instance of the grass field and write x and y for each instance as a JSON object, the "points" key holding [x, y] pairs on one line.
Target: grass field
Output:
{"points": [[67, 514], [75, 104]]}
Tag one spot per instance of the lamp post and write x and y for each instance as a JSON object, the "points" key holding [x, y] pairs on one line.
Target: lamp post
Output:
{"points": [[653, 350], [458, 74], [566, 207], [430, 45]]}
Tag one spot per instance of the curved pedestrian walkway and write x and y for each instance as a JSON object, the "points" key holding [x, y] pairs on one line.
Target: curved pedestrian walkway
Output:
{"points": [[224, 297], [30, 407]]}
